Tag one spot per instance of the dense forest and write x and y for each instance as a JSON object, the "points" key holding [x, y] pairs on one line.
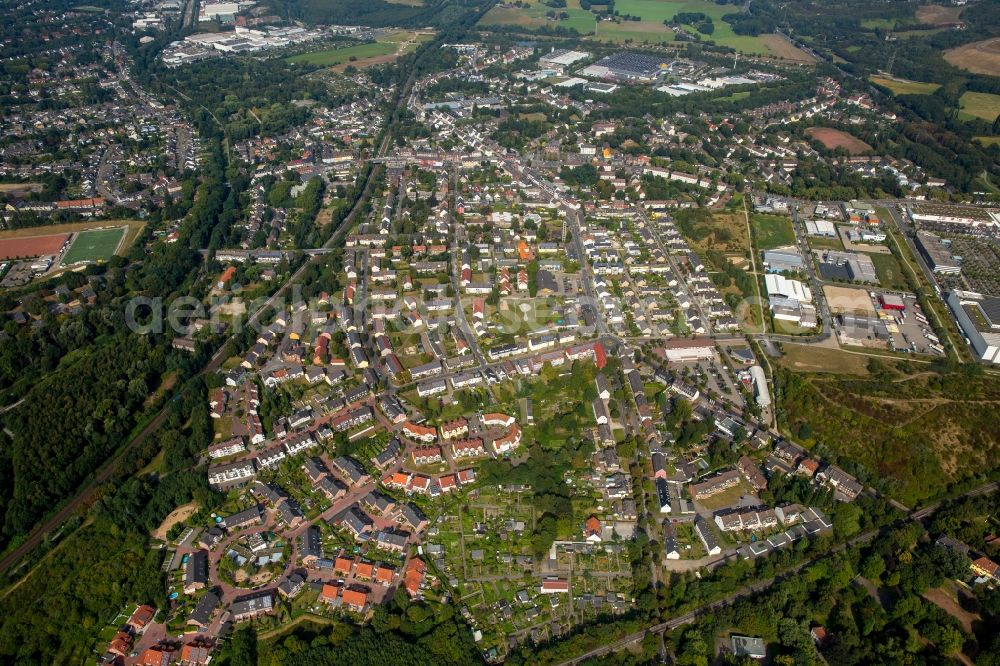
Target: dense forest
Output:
{"points": [[402, 631]]}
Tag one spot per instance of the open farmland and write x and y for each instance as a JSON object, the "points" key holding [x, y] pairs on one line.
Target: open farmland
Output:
{"points": [[655, 11], [904, 87], [979, 57], [95, 245], [784, 49], [533, 17], [834, 138], [636, 31], [980, 105], [649, 29], [939, 15], [31, 246]]}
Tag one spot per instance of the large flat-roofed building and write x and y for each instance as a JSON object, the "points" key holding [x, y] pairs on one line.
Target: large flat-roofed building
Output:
{"points": [[847, 266], [783, 260], [782, 287], [558, 59], [695, 349], [979, 319], [948, 214], [629, 66], [937, 254]]}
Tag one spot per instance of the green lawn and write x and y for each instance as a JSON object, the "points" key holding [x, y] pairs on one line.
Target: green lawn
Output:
{"points": [[980, 105], [887, 23], [95, 245], [342, 55], [771, 231], [905, 87], [735, 97], [890, 273]]}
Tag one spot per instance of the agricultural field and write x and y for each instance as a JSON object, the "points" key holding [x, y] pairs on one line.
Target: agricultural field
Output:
{"points": [[904, 87], [834, 138], [979, 57], [784, 49], [650, 29], [771, 231], [912, 434], [95, 245], [980, 105], [533, 16], [656, 12], [634, 31], [939, 15]]}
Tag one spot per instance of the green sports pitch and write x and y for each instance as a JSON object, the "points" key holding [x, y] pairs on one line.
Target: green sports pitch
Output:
{"points": [[95, 245]]}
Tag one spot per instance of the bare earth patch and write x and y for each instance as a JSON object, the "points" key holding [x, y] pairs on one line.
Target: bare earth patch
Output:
{"points": [[941, 598], [178, 515], [834, 138]]}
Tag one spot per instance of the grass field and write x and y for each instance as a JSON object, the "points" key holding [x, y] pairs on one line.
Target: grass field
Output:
{"points": [[903, 87], [771, 231], [989, 140], [813, 358], [887, 23], [980, 105], [735, 97], [342, 55], [889, 272], [96, 245], [387, 48]]}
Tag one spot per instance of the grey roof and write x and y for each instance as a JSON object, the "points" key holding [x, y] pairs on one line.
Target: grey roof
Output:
{"points": [[197, 568], [242, 517], [412, 515], [254, 602], [310, 543], [202, 613]]}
